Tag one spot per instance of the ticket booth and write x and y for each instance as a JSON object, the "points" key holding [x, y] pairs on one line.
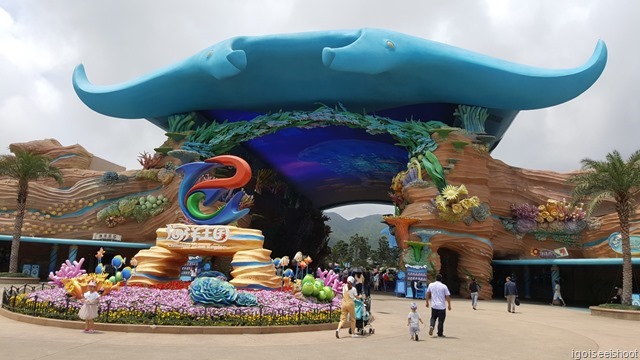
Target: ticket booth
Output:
{"points": [[416, 281]]}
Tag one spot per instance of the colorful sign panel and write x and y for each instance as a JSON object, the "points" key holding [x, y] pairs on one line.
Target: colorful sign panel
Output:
{"points": [[208, 240], [416, 273], [615, 242]]}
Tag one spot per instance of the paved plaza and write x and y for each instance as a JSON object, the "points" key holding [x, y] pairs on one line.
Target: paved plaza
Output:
{"points": [[535, 331]]}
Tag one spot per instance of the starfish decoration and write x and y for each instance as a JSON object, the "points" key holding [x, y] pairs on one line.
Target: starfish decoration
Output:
{"points": [[100, 254]]}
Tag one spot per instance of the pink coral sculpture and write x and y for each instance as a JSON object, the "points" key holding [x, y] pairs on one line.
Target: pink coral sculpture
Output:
{"points": [[330, 279], [68, 270]]}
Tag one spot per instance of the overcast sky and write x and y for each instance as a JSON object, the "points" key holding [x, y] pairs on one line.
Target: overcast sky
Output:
{"points": [[42, 41]]}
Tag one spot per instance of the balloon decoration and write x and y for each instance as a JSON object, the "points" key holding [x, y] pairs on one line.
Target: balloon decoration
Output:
{"points": [[75, 280], [298, 258], [322, 288], [118, 261]]}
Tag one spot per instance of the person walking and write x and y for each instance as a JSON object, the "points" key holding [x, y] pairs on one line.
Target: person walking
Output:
{"points": [[557, 295], [414, 289], [413, 322], [438, 293], [376, 281], [359, 277], [510, 293], [385, 280], [348, 307], [474, 288], [367, 282]]}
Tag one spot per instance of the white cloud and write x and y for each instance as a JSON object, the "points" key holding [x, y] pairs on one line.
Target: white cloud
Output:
{"points": [[42, 41]]}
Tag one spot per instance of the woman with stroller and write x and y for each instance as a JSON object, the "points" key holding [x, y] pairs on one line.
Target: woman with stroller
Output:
{"points": [[349, 294]]}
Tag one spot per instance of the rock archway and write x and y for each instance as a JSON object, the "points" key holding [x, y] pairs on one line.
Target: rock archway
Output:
{"points": [[471, 261]]}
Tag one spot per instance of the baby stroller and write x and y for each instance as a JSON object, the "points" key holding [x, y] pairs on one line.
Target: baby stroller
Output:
{"points": [[363, 317]]}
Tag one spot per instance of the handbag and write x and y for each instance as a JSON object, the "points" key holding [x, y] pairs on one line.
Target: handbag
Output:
{"points": [[517, 302]]}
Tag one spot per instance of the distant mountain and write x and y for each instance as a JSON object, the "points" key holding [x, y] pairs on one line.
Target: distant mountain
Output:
{"points": [[342, 229]]}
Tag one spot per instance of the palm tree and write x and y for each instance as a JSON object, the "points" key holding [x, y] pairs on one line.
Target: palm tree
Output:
{"points": [[620, 180], [24, 167]]}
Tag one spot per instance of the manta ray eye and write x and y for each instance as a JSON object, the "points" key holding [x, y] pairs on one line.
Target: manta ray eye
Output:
{"points": [[390, 44], [209, 54]]}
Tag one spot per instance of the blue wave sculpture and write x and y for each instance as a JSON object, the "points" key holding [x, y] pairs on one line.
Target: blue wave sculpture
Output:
{"points": [[370, 69]]}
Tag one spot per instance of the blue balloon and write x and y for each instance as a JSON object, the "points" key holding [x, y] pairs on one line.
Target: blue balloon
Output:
{"points": [[126, 273], [288, 273], [99, 269], [117, 261]]}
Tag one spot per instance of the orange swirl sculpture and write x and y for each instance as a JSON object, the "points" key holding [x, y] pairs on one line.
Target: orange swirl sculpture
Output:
{"points": [[252, 264]]}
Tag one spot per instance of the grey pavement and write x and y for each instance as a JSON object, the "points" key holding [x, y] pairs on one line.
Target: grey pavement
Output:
{"points": [[535, 331]]}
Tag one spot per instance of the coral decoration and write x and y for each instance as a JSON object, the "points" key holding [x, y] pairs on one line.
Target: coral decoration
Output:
{"points": [[402, 224], [113, 221], [552, 211], [558, 219], [213, 292], [560, 211], [68, 270], [307, 260], [246, 202], [330, 279], [453, 204], [100, 255], [149, 161], [77, 286]]}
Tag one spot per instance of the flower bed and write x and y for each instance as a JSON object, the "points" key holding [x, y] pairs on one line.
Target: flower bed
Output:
{"points": [[140, 305]]}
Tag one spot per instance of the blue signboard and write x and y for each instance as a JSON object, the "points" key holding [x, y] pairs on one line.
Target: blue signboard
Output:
{"points": [[190, 270], [615, 241], [416, 273]]}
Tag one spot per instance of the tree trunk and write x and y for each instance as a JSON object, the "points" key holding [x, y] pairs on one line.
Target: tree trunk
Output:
{"points": [[624, 212], [23, 191]]}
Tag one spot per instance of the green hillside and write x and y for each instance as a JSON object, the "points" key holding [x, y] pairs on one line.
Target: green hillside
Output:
{"points": [[342, 229]]}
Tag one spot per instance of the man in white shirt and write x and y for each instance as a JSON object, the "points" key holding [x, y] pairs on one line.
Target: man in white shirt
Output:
{"points": [[438, 293]]}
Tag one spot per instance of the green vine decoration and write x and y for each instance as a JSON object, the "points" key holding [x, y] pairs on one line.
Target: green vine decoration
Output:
{"points": [[432, 166], [219, 138], [473, 117], [181, 122]]}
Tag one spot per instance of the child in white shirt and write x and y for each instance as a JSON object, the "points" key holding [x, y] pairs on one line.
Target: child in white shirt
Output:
{"points": [[413, 322]]}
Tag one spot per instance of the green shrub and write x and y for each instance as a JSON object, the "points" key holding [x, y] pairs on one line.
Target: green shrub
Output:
{"points": [[620, 307]]}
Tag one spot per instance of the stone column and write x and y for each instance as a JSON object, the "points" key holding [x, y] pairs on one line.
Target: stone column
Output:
{"points": [[53, 258], [527, 282], [555, 275], [73, 252]]}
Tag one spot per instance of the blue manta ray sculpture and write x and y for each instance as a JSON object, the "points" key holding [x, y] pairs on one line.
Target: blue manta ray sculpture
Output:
{"points": [[370, 69]]}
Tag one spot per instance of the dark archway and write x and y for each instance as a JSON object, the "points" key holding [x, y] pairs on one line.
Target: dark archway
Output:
{"points": [[449, 269]]}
